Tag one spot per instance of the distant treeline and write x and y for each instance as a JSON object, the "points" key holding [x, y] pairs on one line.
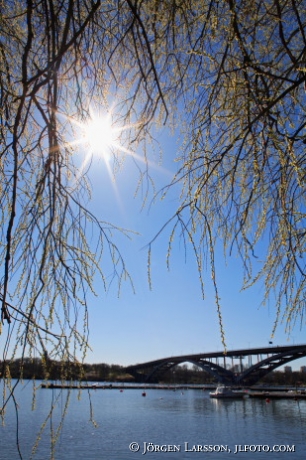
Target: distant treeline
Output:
{"points": [[40, 369]]}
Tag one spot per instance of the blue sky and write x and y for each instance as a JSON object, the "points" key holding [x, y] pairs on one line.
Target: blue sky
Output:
{"points": [[172, 318]]}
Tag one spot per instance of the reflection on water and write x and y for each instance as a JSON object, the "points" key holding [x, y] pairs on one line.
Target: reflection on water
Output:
{"points": [[163, 417]]}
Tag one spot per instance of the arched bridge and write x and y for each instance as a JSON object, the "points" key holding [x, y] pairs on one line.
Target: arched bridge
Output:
{"points": [[236, 367]]}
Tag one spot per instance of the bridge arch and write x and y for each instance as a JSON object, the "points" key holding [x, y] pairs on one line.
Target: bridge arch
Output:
{"points": [[275, 357], [212, 368]]}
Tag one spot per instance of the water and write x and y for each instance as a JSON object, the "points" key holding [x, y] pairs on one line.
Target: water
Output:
{"points": [[166, 418]]}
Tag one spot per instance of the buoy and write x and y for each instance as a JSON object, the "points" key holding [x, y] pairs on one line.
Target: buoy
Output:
{"points": [[144, 393], [267, 400]]}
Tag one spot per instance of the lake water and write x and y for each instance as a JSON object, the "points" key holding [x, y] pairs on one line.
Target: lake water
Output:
{"points": [[166, 424]]}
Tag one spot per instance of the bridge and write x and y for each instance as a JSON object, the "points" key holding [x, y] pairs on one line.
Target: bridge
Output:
{"points": [[228, 368]]}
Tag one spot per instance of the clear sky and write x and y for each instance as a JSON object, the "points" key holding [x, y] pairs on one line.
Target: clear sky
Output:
{"points": [[172, 318]]}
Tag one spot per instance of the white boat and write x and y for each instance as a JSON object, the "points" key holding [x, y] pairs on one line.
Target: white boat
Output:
{"points": [[223, 392]]}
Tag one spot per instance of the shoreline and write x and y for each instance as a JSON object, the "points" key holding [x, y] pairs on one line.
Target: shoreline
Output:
{"points": [[259, 393]]}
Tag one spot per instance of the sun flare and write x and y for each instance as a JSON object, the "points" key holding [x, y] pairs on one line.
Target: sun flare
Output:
{"points": [[102, 136], [99, 136]]}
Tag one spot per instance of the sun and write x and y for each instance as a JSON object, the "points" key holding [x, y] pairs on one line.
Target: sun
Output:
{"points": [[103, 136], [99, 135]]}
